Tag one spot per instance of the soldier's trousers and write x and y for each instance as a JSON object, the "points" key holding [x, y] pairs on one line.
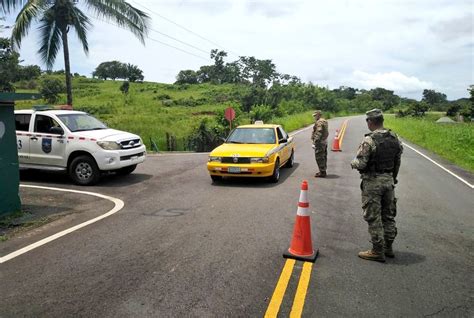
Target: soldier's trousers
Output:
{"points": [[380, 207], [321, 155]]}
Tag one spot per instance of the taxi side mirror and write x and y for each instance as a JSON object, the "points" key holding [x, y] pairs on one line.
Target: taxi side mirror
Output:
{"points": [[283, 140]]}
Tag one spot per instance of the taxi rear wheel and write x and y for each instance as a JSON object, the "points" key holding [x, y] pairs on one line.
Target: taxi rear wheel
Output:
{"points": [[291, 161], [84, 171], [276, 172]]}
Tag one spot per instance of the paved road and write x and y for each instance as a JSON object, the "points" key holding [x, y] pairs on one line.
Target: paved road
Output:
{"points": [[184, 247]]}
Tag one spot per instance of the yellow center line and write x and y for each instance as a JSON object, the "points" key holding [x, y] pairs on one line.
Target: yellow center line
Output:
{"points": [[300, 295], [277, 298], [343, 131]]}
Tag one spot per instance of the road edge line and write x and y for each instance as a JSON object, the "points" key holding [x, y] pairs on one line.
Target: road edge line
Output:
{"points": [[119, 204], [448, 171]]}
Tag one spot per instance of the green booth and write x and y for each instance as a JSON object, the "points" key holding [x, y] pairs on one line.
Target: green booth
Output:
{"points": [[9, 168]]}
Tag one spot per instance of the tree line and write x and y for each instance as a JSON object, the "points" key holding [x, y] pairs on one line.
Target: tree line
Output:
{"points": [[246, 70], [116, 69], [266, 92]]}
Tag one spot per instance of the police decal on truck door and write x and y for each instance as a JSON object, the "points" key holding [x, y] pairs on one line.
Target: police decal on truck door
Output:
{"points": [[46, 145]]}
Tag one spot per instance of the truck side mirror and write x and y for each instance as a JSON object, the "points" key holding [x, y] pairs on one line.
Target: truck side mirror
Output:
{"points": [[56, 131]]}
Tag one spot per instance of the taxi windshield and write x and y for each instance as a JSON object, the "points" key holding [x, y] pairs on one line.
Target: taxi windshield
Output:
{"points": [[81, 122], [252, 136]]}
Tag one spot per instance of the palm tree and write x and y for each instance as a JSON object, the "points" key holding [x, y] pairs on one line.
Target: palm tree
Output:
{"points": [[57, 17]]}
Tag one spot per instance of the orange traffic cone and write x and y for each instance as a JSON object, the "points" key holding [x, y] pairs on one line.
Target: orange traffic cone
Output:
{"points": [[335, 143], [301, 247]]}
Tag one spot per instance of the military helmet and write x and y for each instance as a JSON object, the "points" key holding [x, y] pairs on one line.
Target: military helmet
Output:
{"points": [[374, 113]]}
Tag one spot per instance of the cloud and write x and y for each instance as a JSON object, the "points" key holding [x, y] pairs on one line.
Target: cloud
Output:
{"points": [[395, 81], [272, 9], [455, 28]]}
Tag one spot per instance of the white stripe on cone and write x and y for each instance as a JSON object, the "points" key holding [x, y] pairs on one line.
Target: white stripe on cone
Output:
{"points": [[302, 211]]}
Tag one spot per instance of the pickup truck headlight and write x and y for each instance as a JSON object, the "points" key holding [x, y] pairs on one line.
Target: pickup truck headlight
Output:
{"points": [[109, 145], [259, 160], [215, 159]]}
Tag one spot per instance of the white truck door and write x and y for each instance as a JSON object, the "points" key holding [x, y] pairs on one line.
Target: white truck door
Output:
{"points": [[46, 147], [22, 126]]}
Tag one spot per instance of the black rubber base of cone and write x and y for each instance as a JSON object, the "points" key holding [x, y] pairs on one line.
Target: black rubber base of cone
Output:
{"points": [[311, 258]]}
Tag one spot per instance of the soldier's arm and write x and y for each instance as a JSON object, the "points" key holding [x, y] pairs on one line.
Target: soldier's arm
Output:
{"points": [[317, 132], [363, 155], [396, 166]]}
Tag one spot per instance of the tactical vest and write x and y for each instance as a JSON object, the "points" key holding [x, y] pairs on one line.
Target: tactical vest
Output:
{"points": [[387, 148]]}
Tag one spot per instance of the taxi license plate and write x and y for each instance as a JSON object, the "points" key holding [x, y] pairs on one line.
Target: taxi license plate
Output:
{"points": [[234, 170]]}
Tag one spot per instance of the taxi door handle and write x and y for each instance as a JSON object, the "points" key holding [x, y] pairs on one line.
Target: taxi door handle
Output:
{"points": [[34, 138]]}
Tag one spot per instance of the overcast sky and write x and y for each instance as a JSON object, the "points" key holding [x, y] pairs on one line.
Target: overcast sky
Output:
{"points": [[401, 45]]}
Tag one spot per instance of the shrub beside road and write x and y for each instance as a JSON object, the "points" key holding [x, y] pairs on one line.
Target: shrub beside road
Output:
{"points": [[454, 142]]}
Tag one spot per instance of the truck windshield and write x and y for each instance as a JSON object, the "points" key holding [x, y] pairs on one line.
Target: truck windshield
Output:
{"points": [[81, 122]]}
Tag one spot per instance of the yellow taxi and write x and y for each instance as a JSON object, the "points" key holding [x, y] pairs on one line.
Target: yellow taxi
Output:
{"points": [[257, 150]]}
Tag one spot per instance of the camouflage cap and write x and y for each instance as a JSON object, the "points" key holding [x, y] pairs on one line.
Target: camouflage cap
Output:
{"points": [[316, 112], [374, 113]]}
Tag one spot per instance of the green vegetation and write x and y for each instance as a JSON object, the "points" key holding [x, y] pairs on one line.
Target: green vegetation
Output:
{"points": [[161, 112], [454, 142]]}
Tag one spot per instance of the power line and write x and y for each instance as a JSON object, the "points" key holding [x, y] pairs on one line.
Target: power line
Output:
{"points": [[184, 28], [158, 41], [177, 40]]}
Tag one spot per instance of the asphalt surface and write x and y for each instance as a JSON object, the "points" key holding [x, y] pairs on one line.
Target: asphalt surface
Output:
{"points": [[184, 247]]}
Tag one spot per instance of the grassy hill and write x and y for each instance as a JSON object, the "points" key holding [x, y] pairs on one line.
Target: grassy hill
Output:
{"points": [[153, 110]]}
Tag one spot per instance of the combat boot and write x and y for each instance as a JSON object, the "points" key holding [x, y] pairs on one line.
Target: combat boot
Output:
{"points": [[387, 247], [320, 174], [375, 254]]}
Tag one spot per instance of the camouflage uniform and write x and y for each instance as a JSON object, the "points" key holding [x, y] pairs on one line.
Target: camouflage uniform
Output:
{"points": [[379, 170], [319, 138]]}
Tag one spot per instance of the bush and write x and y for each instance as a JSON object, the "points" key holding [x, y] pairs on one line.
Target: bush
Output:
{"points": [[289, 107], [261, 112], [162, 97], [125, 87], [205, 137], [167, 102], [50, 89], [453, 110]]}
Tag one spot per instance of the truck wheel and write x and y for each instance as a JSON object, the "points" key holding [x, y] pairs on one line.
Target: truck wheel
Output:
{"points": [[126, 170], [84, 171], [276, 172]]}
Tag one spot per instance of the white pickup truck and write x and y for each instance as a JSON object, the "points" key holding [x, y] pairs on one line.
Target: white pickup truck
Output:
{"points": [[75, 142]]}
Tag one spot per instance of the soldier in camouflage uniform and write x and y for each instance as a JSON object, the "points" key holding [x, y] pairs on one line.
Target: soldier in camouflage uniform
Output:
{"points": [[378, 161], [319, 138]]}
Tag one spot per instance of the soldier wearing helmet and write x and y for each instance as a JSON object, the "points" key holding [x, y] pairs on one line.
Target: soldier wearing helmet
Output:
{"points": [[378, 161], [319, 138]]}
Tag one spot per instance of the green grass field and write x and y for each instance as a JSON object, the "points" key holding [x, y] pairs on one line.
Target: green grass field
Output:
{"points": [[150, 109], [454, 142], [153, 110]]}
